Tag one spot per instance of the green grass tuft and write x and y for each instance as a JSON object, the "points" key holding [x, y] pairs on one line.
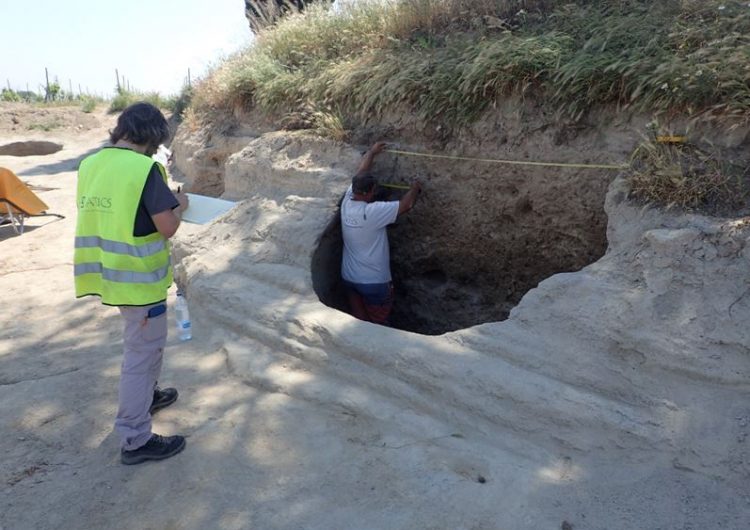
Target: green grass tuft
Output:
{"points": [[88, 104]]}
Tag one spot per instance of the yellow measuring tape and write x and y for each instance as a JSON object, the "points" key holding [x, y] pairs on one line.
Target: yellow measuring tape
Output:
{"points": [[511, 162]]}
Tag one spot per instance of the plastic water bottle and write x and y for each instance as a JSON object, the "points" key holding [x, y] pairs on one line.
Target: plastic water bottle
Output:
{"points": [[182, 315]]}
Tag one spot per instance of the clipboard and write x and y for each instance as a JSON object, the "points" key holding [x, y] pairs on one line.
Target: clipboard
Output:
{"points": [[203, 209]]}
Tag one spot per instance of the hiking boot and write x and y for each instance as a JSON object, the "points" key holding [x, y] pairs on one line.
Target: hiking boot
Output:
{"points": [[157, 448], [162, 398]]}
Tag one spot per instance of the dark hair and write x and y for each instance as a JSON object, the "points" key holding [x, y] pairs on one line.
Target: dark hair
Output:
{"points": [[363, 183], [142, 124]]}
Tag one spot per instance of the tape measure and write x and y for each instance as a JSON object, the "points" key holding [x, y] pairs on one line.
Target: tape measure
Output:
{"points": [[511, 162]]}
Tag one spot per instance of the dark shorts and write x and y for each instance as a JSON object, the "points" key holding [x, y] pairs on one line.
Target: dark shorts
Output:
{"points": [[372, 293], [371, 301]]}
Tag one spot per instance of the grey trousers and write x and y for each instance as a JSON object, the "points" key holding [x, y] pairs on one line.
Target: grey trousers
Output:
{"points": [[144, 339]]}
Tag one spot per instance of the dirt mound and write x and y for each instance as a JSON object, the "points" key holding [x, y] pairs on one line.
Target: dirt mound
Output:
{"points": [[22, 119]]}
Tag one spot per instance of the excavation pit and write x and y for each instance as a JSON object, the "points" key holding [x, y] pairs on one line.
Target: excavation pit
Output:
{"points": [[473, 246], [30, 148]]}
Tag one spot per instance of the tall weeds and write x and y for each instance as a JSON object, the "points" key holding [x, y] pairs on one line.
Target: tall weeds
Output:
{"points": [[448, 60]]}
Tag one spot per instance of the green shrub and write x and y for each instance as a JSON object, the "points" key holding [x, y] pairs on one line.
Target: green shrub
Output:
{"points": [[9, 95], [88, 104], [120, 102]]}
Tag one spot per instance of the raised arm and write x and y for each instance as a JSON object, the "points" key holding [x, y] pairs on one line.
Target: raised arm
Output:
{"points": [[369, 157], [410, 197]]}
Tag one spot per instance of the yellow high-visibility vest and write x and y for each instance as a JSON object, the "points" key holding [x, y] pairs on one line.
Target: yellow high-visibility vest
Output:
{"points": [[110, 262]]}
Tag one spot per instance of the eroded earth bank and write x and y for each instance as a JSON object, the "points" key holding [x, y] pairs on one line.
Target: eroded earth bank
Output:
{"points": [[560, 349]]}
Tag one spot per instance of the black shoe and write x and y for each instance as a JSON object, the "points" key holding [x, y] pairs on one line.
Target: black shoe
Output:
{"points": [[157, 448], [162, 398]]}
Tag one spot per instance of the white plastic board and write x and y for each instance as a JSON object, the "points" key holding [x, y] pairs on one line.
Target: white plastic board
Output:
{"points": [[203, 209]]}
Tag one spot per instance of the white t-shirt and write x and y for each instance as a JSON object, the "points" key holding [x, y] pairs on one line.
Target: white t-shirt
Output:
{"points": [[366, 256]]}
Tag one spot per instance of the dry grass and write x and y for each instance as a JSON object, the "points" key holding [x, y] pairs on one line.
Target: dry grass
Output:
{"points": [[329, 123], [682, 175], [451, 58]]}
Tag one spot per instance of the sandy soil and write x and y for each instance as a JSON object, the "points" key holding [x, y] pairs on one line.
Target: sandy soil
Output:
{"points": [[60, 356], [294, 424]]}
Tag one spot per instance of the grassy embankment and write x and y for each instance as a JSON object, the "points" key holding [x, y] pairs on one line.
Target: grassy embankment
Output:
{"points": [[449, 60]]}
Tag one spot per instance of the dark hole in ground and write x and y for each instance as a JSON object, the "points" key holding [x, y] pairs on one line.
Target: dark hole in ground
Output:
{"points": [[30, 148], [466, 255]]}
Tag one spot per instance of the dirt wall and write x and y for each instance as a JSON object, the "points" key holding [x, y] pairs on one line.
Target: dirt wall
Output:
{"points": [[483, 233]]}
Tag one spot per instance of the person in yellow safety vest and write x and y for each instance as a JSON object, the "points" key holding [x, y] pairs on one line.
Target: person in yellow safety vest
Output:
{"points": [[126, 215]]}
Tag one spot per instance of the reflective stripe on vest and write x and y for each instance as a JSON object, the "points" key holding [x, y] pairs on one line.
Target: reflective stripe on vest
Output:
{"points": [[113, 275], [141, 251]]}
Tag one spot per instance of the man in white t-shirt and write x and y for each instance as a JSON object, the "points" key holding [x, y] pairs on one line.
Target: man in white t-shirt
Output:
{"points": [[365, 265]]}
